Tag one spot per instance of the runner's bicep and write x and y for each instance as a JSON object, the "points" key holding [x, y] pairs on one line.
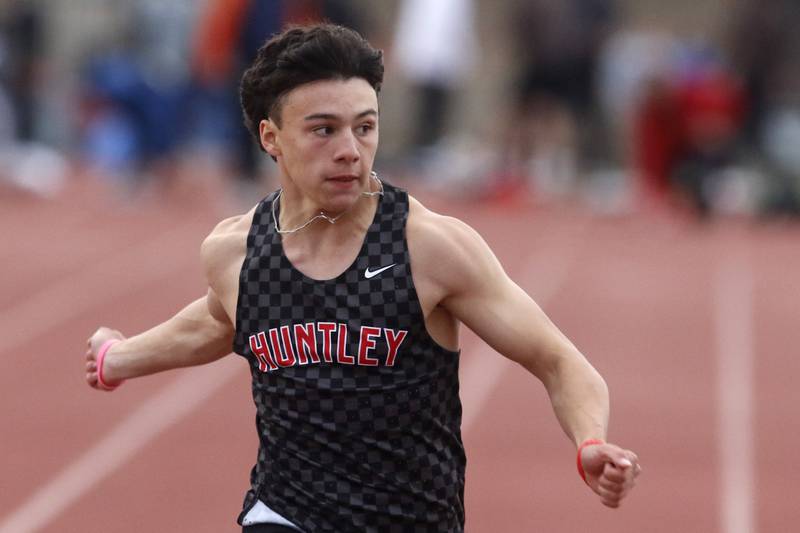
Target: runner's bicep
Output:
{"points": [[504, 316]]}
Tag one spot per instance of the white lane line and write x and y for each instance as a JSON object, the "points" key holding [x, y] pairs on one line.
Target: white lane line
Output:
{"points": [[116, 275], [137, 430], [733, 312], [542, 279]]}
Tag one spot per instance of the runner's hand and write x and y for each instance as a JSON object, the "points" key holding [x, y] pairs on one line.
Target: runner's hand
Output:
{"points": [[610, 471], [93, 344]]}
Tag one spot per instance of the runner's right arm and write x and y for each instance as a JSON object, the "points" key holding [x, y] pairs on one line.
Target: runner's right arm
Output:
{"points": [[200, 333]]}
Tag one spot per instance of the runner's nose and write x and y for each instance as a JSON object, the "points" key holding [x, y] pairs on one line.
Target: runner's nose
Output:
{"points": [[347, 148]]}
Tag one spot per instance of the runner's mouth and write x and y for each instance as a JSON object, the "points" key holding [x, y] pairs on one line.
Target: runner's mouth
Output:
{"points": [[343, 178]]}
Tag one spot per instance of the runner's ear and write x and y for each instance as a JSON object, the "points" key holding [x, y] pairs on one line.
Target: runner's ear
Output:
{"points": [[267, 132]]}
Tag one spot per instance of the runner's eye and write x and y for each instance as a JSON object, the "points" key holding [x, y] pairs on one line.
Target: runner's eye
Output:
{"points": [[366, 128], [323, 131]]}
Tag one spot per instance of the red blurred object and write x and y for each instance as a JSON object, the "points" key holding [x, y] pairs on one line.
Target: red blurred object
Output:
{"points": [[657, 138], [698, 115], [712, 108]]}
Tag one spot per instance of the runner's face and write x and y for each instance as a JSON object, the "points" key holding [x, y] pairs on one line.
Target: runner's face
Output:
{"points": [[326, 144]]}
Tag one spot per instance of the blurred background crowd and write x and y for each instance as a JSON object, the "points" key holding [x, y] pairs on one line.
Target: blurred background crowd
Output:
{"points": [[687, 106]]}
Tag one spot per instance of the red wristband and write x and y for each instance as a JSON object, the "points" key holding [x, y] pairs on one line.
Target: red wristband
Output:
{"points": [[589, 442], [101, 356]]}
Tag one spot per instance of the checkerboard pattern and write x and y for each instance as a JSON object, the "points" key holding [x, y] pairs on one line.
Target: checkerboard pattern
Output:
{"points": [[350, 447]]}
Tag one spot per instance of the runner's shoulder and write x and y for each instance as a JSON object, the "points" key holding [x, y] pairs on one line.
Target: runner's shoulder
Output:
{"points": [[228, 239], [443, 244]]}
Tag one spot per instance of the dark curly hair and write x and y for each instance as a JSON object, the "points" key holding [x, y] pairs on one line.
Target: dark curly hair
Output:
{"points": [[299, 55]]}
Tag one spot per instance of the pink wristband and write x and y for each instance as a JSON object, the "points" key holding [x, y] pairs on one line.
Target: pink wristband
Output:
{"points": [[590, 442], [101, 356]]}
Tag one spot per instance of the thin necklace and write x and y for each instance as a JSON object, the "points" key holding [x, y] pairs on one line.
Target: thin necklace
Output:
{"points": [[321, 214]]}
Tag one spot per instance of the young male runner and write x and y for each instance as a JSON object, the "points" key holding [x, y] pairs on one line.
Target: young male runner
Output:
{"points": [[345, 295]]}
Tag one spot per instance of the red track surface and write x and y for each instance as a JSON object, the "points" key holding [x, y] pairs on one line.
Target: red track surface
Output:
{"points": [[635, 294]]}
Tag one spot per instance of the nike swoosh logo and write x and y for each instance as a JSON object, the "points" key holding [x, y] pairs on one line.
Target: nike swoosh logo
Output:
{"points": [[369, 274]]}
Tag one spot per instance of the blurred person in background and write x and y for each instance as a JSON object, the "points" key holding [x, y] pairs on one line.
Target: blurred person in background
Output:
{"points": [[434, 49], [554, 123], [22, 31], [635, 65], [226, 39], [134, 97], [679, 111], [8, 117], [710, 111], [687, 133], [26, 163], [765, 49], [354, 363]]}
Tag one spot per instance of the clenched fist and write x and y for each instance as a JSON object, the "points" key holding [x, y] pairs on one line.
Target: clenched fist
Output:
{"points": [[94, 344], [610, 471]]}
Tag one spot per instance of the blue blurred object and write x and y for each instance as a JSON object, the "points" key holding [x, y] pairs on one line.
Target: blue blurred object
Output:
{"points": [[152, 116]]}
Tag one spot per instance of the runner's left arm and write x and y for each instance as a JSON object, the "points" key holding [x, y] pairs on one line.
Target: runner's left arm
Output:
{"points": [[482, 296]]}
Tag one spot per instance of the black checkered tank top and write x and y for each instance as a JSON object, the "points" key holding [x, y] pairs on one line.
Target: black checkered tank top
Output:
{"points": [[358, 412]]}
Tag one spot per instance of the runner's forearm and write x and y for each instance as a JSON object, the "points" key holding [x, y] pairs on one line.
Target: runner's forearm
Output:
{"points": [[192, 337], [579, 397]]}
